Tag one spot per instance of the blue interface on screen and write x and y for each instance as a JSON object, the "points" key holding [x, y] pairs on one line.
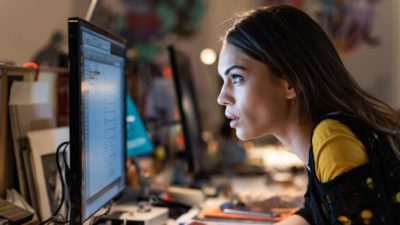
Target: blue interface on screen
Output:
{"points": [[138, 142], [102, 115]]}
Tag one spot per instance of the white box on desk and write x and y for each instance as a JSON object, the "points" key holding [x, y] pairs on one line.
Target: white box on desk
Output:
{"points": [[132, 214]]}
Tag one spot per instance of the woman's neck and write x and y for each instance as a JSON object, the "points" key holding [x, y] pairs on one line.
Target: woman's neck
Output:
{"points": [[296, 138]]}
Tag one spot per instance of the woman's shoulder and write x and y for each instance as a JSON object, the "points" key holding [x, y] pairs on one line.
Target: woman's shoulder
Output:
{"points": [[330, 127], [328, 124], [336, 149], [350, 120]]}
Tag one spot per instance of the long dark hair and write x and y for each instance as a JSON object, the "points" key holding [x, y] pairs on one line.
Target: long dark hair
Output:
{"points": [[296, 48]]}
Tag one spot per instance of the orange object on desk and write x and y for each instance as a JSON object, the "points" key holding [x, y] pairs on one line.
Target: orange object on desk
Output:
{"points": [[217, 213]]}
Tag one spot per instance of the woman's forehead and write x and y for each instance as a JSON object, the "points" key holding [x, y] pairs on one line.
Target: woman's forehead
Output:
{"points": [[232, 55]]}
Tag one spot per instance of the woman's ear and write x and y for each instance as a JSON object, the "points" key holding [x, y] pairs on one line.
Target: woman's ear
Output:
{"points": [[289, 90]]}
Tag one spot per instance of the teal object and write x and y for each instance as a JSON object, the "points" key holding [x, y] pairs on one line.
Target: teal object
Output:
{"points": [[137, 141]]}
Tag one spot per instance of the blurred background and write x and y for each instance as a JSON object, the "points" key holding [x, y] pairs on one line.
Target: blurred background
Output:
{"points": [[366, 33]]}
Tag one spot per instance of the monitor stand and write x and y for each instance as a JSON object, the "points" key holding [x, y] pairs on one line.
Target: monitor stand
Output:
{"points": [[135, 206], [131, 210], [133, 213]]}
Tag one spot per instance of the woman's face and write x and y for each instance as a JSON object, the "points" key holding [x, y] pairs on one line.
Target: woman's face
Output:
{"points": [[257, 102]]}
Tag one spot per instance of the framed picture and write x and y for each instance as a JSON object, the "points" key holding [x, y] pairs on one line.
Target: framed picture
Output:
{"points": [[47, 182]]}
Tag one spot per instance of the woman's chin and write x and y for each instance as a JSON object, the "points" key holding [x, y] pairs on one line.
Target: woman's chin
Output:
{"points": [[248, 135], [243, 136]]}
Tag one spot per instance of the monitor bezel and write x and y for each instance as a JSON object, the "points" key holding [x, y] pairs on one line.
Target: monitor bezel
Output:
{"points": [[75, 25], [193, 145]]}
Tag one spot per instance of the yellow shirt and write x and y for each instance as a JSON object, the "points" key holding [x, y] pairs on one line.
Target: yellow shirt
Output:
{"points": [[336, 150]]}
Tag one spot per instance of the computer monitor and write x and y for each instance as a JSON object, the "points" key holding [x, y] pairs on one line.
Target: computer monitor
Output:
{"points": [[188, 108], [97, 117]]}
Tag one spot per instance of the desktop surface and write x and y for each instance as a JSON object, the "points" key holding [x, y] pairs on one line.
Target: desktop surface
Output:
{"points": [[233, 222], [176, 211]]}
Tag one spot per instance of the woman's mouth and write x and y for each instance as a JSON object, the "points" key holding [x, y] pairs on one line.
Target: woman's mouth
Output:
{"points": [[234, 123], [234, 120]]}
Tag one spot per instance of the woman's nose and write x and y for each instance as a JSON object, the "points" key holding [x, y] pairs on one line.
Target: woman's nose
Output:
{"points": [[223, 98], [220, 99]]}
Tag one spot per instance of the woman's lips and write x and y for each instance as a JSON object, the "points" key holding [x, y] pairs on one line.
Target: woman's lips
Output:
{"points": [[234, 123], [234, 120]]}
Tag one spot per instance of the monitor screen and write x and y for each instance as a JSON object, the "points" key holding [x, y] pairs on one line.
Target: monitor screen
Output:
{"points": [[97, 117], [188, 108]]}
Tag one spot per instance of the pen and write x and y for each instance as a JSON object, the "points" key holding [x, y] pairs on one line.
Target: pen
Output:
{"points": [[251, 213]]}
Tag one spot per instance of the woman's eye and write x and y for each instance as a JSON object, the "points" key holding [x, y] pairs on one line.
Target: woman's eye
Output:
{"points": [[236, 78]]}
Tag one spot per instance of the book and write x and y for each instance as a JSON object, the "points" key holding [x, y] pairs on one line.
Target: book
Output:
{"points": [[13, 213], [208, 221], [26, 157], [275, 216], [62, 112]]}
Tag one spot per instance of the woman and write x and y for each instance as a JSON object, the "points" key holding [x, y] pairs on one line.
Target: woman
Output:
{"points": [[283, 77]]}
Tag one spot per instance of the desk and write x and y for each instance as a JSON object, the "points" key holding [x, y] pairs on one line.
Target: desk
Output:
{"points": [[255, 191], [235, 222], [257, 184], [191, 216]]}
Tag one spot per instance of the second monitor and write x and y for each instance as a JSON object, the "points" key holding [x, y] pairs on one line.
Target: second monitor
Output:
{"points": [[188, 108]]}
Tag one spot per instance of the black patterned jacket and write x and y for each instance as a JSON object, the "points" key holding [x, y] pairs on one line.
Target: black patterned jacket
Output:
{"points": [[368, 194]]}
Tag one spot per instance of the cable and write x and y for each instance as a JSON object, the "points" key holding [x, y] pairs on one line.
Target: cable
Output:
{"points": [[67, 173], [91, 9], [68, 183], [96, 218], [62, 184], [64, 157]]}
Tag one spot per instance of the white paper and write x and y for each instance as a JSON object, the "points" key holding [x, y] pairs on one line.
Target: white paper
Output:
{"points": [[29, 93]]}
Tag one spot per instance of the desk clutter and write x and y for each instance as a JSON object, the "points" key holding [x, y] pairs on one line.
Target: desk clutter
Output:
{"points": [[32, 100], [275, 215], [237, 210], [13, 213]]}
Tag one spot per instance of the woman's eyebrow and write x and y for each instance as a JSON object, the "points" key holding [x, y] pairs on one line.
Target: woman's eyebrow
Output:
{"points": [[233, 67]]}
